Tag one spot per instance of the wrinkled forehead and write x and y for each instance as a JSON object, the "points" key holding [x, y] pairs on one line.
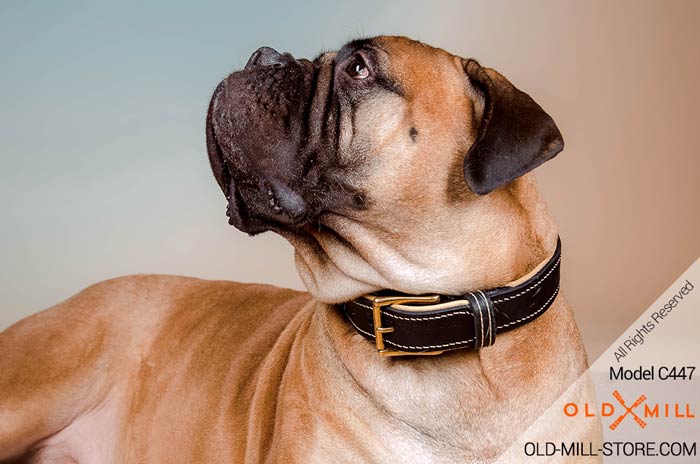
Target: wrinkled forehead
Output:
{"points": [[409, 64]]}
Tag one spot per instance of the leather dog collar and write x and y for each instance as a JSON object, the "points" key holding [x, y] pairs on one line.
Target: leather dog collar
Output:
{"points": [[402, 324]]}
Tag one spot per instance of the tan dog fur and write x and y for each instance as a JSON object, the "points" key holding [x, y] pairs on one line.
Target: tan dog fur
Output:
{"points": [[155, 369]]}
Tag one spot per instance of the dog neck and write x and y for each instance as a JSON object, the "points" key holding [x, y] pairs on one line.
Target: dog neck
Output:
{"points": [[454, 249], [459, 394]]}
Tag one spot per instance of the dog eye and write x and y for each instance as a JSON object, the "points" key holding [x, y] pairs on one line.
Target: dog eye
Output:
{"points": [[357, 68]]}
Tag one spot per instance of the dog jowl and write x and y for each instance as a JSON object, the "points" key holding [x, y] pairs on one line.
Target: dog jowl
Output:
{"points": [[273, 133]]}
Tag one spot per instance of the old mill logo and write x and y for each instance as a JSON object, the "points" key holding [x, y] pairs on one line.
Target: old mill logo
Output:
{"points": [[639, 411]]}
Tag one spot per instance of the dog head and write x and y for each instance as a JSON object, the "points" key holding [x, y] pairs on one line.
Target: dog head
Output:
{"points": [[358, 143]]}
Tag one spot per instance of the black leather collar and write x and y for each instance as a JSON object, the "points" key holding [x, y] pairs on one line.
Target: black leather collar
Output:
{"points": [[401, 324]]}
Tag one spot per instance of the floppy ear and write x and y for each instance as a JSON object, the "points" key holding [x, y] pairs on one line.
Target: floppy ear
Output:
{"points": [[515, 134]]}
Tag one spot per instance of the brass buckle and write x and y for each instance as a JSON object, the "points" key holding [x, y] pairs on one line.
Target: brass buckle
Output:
{"points": [[378, 302]]}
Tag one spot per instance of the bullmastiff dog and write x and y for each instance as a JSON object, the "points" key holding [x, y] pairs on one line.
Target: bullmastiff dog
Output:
{"points": [[432, 330]]}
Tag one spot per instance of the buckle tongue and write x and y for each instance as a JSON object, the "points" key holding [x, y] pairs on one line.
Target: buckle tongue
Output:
{"points": [[378, 302]]}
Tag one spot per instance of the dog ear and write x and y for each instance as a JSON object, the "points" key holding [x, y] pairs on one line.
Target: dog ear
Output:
{"points": [[515, 135]]}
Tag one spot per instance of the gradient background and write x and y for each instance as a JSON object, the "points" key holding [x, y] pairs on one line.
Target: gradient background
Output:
{"points": [[103, 167]]}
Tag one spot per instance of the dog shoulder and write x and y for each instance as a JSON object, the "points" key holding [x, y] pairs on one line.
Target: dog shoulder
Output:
{"points": [[54, 362], [132, 308]]}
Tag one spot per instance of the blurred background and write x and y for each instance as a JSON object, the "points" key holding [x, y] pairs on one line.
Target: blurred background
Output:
{"points": [[103, 168]]}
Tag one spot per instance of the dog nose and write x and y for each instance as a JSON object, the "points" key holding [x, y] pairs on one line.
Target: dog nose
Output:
{"points": [[266, 56], [287, 200]]}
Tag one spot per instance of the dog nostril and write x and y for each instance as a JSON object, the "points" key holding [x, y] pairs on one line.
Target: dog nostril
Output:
{"points": [[266, 56]]}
